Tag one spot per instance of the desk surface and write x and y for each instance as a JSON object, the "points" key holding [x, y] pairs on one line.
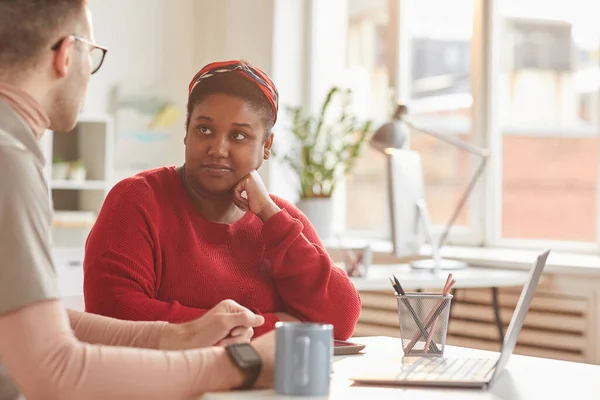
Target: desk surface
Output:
{"points": [[378, 275], [525, 378]]}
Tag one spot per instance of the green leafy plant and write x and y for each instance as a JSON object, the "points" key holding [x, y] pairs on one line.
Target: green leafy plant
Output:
{"points": [[326, 145], [77, 164]]}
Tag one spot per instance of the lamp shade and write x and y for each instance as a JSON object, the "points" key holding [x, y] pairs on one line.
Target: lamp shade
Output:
{"points": [[392, 134]]}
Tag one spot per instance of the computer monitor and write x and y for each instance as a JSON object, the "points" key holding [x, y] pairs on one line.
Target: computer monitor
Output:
{"points": [[405, 190], [411, 225]]}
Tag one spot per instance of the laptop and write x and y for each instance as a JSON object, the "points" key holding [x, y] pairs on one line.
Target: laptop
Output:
{"points": [[458, 372]]}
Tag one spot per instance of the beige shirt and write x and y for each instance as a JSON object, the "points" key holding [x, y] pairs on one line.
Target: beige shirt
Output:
{"points": [[27, 272]]}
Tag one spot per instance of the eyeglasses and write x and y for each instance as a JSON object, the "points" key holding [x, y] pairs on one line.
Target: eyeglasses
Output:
{"points": [[97, 53]]}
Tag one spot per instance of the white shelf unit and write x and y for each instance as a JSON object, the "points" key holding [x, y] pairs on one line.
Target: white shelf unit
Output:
{"points": [[77, 202]]}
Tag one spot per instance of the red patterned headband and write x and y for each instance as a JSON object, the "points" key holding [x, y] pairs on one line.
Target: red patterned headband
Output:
{"points": [[243, 68]]}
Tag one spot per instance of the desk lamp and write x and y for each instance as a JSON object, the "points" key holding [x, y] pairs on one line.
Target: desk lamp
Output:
{"points": [[394, 135]]}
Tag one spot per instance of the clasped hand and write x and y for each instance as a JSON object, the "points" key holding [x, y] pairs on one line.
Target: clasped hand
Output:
{"points": [[226, 323]]}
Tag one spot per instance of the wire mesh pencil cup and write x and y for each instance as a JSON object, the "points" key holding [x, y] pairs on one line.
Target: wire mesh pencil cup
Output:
{"points": [[423, 321]]}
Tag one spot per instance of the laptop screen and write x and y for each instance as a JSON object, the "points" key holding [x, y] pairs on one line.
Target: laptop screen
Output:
{"points": [[516, 323]]}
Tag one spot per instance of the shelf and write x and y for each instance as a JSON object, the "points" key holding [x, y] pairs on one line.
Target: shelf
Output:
{"points": [[78, 185], [77, 202], [69, 219]]}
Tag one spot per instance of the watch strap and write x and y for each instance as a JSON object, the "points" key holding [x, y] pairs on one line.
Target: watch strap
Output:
{"points": [[251, 372]]}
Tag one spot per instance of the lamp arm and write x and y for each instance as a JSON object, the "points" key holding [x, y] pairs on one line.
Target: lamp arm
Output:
{"points": [[450, 140], [463, 200]]}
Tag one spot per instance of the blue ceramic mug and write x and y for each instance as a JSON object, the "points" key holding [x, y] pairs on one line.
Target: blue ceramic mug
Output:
{"points": [[303, 355]]}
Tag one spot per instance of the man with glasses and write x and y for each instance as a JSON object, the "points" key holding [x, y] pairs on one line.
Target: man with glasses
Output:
{"points": [[47, 55], [97, 53]]}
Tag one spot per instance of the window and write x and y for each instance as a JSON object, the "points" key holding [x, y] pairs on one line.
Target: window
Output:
{"points": [[440, 99], [549, 120], [368, 77], [546, 112]]}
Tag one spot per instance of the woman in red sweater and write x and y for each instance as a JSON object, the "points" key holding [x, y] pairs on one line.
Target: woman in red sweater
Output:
{"points": [[171, 243]]}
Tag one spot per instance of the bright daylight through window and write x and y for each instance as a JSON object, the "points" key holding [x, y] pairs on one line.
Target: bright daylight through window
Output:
{"points": [[548, 111]]}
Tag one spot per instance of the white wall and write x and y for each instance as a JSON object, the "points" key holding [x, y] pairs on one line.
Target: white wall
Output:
{"points": [[327, 64], [234, 29], [151, 45], [327, 61], [291, 33]]}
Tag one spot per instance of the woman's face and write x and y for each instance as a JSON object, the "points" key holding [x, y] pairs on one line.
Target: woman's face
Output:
{"points": [[224, 142]]}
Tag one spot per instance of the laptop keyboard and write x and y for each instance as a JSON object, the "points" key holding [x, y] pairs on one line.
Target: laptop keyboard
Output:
{"points": [[447, 369]]}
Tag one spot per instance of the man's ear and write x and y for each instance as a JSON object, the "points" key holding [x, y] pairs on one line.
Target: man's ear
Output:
{"points": [[62, 57]]}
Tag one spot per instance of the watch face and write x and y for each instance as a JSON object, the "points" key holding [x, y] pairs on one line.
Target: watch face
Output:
{"points": [[246, 354]]}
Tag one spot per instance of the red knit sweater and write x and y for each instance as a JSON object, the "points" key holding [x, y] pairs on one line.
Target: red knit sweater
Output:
{"points": [[152, 256]]}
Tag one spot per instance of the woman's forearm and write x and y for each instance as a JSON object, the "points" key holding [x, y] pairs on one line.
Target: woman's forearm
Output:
{"points": [[311, 285], [47, 361]]}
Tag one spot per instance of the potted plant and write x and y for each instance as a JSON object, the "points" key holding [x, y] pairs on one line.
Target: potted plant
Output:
{"points": [[77, 171], [324, 151], [60, 168]]}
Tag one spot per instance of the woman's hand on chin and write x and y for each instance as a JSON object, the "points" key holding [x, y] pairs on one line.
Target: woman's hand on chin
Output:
{"points": [[250, 194]]}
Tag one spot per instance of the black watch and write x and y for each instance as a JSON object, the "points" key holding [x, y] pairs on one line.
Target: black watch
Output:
{"points": [[247, 360]]}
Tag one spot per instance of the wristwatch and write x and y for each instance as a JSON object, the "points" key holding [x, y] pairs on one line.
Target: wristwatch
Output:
{"points": [[247, 360]]}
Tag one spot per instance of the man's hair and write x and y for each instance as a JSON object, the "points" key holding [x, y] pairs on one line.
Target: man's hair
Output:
{"points": [[234, 85], [30, 27]]}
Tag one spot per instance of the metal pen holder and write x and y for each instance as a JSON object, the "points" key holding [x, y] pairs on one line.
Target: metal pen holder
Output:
{"points": [[424, 319]]}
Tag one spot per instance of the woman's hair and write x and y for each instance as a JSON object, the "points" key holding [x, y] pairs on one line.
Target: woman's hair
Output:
{"points": [[235, 85]]}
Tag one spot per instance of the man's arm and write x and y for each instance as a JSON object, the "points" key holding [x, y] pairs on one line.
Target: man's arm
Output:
{"points": [[41, 354]]}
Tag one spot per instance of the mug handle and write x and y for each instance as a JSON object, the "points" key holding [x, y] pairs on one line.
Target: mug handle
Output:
{"points": [[301, 345]]}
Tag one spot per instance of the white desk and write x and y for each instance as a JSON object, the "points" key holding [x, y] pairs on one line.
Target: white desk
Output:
{"points": [[526, 378]]}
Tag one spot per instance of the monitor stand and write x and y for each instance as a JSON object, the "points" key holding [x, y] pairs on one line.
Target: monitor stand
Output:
{"points": [[436, 263]]}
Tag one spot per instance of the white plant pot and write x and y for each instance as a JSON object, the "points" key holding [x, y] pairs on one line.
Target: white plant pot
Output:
{"points": [[78, 174], [60, 171], [320, 213]]}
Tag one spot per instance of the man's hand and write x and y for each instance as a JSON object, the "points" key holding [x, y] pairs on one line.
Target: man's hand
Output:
{"points": [[226, 323], [257, 199]]}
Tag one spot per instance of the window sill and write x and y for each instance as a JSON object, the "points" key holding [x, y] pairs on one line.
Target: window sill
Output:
{"points": [[491, 257]]}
